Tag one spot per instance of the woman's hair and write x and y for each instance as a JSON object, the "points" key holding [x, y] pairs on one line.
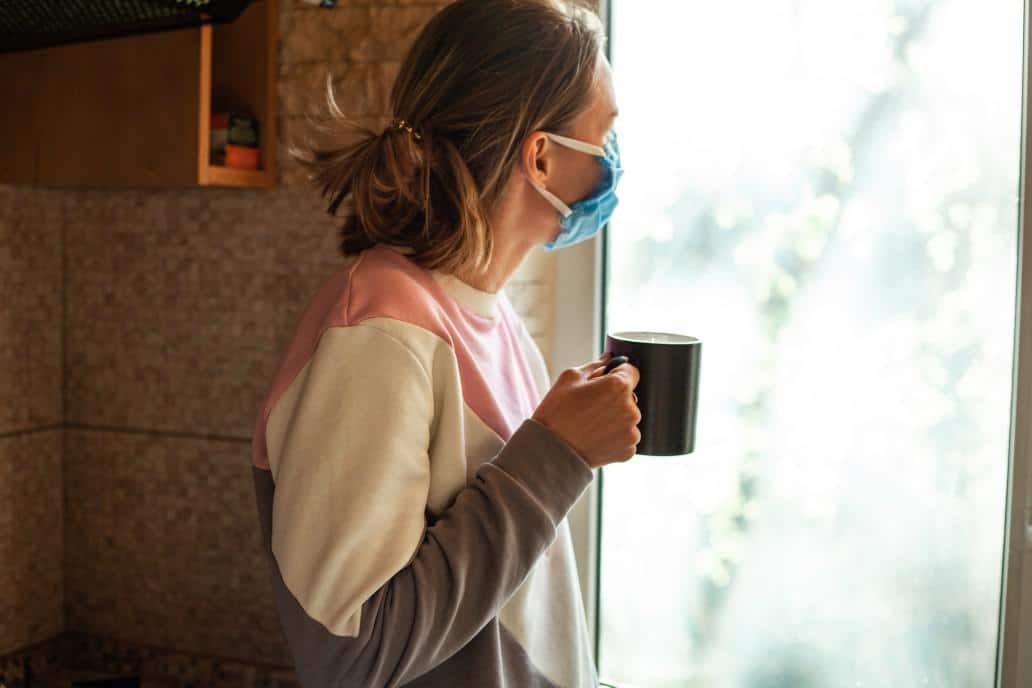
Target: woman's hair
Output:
{"points": [[480, 77]]}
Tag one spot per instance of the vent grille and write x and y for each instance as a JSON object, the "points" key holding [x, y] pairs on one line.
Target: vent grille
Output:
{"points": [[27, 24]]}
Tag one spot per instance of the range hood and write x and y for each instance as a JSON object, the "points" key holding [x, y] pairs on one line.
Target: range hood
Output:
{"points": [[27, 24]]}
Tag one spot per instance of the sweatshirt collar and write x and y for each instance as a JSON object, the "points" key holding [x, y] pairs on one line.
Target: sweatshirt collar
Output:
{"points": [[482, 303]]}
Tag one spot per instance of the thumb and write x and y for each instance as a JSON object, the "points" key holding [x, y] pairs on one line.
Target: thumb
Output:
{"points": [[592, 367]]}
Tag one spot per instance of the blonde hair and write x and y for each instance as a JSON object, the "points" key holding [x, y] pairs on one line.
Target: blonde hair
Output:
{"points": [[480, 77]]}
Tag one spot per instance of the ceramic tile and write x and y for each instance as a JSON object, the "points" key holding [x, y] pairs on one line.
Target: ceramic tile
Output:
{"points": [[164, 547], [31, 521], [30, 308]]}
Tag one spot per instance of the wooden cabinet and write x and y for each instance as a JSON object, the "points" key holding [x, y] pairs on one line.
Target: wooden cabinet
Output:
{"points": [[135, 111]]}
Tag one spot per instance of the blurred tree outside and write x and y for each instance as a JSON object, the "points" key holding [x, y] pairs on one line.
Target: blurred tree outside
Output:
{"points": [[831, 206]]}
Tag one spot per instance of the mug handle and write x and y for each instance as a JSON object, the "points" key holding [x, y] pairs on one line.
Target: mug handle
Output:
{"points": [[614, 362]]}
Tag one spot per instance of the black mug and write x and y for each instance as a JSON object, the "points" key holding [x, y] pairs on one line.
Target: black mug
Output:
{"points": [[668, 390]]}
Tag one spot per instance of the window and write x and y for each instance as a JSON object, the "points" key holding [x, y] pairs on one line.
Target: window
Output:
{"points": [[826, 193]]}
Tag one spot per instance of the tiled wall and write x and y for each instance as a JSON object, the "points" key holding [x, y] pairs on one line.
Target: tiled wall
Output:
{"points": [[31, 511], [162, 314]]}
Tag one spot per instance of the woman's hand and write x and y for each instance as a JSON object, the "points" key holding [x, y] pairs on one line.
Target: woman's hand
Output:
{"points": [[594, 412]]}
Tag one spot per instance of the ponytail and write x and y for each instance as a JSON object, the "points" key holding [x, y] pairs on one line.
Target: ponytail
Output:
{"points": [[403, 186]]}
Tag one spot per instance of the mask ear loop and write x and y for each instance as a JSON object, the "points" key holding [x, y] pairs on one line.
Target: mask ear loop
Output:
{"points": [[554, 200], [589, 148], [581, 146]]}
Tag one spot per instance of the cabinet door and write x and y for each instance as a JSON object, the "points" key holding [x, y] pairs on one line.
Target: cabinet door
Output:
{"points": [[21, 79], [121, 112]]}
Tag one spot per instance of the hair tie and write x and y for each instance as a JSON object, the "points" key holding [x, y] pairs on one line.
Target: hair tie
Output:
{"points": [[402, 124]]}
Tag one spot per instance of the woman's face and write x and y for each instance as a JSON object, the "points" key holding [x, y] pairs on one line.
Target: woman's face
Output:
{"points": [[569, 174]]}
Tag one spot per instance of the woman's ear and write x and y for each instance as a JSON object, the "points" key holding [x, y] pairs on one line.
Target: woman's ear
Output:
{"points": [[536, 158]]}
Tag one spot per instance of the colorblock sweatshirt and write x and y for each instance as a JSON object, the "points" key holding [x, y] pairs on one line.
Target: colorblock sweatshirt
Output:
{"points": [[414, 515]]}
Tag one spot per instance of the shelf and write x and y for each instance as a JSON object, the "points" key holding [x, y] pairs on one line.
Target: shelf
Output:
{"points": [[241, 77], [135, 111], [218, 175]]}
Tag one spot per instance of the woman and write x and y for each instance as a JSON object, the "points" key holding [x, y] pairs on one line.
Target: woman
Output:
{"points": [[413, 468]]}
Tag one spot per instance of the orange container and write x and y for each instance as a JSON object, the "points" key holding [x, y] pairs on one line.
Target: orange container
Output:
{"points": [[242, 157]]}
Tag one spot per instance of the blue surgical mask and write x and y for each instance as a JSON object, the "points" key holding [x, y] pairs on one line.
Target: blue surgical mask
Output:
{"points": [[586, 217]]}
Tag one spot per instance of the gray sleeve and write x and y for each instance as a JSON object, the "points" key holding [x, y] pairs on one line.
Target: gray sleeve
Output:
{"points": [[469, 563]]}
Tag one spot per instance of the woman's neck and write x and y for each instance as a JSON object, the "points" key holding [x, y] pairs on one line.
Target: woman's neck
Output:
{"points": [[505, 260]]}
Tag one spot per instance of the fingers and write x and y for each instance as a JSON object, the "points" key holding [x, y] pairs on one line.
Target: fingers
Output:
{"points": [[600, 361], [629, 372], [594, 368], [621, 379]]}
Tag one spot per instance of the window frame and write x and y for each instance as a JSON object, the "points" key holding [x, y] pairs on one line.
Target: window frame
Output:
{"points": [[577, 339], [1014, 668]]}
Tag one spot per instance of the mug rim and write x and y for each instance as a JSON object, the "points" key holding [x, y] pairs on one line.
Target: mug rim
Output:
{"points": [[638, 337]]}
